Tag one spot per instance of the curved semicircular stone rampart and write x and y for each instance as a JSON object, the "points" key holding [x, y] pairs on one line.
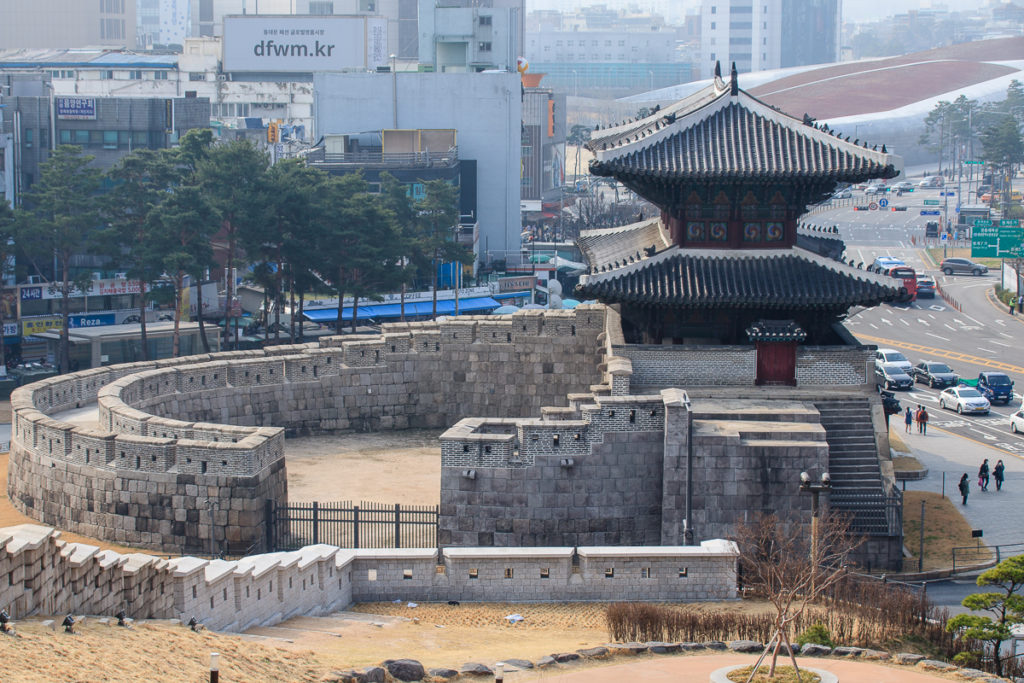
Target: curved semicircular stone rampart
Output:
{"points": [[182, 439]]}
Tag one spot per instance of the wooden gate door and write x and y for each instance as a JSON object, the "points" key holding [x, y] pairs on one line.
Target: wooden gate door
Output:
{"points": [[776, 363]]}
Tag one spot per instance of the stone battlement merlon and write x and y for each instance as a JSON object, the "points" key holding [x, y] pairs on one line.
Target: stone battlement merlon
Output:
{"points": [[42, 574]]}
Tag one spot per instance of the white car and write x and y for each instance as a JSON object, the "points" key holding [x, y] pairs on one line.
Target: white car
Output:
{"points": [[964, 399], [1017, 422], [892, 357]]}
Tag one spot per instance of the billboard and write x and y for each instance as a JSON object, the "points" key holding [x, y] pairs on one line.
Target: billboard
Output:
{"points": [[53, 290], [76, 108], [304, 44]]}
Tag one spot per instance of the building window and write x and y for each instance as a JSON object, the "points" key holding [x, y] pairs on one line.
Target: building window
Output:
{"points": [[110, 139], [27, 139], [622, 43], [714, 10], [135, 75], [485, 20], [107, 75], [712, 26], [196, 76], [65, 137], [568, 43], [159, 75], [527, 151], [484, 47], [320, 7]]}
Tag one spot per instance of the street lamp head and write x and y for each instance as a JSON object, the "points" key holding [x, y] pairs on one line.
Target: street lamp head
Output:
{"points": [[805, 478], [826, 479]]}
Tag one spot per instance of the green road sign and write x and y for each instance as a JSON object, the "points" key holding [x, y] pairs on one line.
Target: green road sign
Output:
{"points": [[1009, 223], [996, 241], [982, 223], [931, 202], [974, 162]]}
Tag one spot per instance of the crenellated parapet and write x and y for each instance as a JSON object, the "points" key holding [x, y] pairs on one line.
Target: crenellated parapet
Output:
{"points": [[40, 574], [205, 430]]}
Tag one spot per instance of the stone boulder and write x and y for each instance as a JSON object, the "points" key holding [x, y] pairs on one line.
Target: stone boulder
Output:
{"points": [[443, 674], [875, 654], [593, 652], [663, 648], [715, 645], [565, 657], [745, 646], [815, 650], [690, 647], [847, 651], [373, 674], [936, 665], [545, 662], [475, 669], [519, 663], [908, 658], [405, 669]]}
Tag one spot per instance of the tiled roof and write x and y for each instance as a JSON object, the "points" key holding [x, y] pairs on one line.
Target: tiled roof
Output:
{"points": [[776, 331], [604, 247], [765, 279], [721, 132]]}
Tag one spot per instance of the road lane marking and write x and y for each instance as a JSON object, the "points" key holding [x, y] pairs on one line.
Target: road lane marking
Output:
{"points": [[886, 321], [949, 326], [976, 321], [943, 353], [924, 322], [908, 324], [936, 336], [986, 350], [1009, 346]]}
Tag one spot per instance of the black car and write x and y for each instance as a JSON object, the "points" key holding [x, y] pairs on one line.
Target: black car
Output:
{"points": [[934, 374], [890, 376], [925, 287]]}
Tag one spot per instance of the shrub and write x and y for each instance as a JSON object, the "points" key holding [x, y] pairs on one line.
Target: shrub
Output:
{"points": [[816, 634]]}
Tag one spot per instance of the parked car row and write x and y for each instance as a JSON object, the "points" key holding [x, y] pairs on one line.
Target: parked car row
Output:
{"points": [[893, 371]]}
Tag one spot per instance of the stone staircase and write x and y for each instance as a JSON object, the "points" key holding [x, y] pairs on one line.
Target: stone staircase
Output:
{"points": [[857, 485]]}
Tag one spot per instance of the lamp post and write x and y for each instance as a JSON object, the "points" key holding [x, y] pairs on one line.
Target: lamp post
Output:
{"points": [[814, 489], [394, 90]]}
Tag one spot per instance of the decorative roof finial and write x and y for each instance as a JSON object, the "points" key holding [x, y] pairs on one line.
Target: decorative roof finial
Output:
{"points": [[884, 150], [718, 70], [734, 86]]}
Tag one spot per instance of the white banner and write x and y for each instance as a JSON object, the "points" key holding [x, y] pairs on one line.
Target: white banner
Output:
{"points": [[304, 44]]}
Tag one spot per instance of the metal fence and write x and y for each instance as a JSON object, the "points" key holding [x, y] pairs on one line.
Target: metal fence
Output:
{"points": [[972, 556], [343, 524], [872, 513]]}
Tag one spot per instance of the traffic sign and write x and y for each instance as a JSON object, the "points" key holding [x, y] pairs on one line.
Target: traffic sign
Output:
{"points": [[883, 202], [982, 223], [944, 238], [873, 206], [947, 194], [996, 241], [974, 162], [1009, 223], [931, 202], [931, 212]]}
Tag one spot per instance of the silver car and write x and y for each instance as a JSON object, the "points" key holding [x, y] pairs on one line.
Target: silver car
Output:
{"points": [[964, 399]]}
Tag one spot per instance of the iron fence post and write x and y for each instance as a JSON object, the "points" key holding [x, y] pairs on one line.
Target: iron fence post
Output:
{"points": [[355, 526], [268, 524], [398, 526], [316, 522]]}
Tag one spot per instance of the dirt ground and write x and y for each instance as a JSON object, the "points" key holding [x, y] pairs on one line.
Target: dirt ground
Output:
{"points": [[944, 529], [388, 467]]}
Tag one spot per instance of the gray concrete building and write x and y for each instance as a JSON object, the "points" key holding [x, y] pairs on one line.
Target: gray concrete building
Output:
{"points": [[106, 127], [484, 109], [67, 23]]}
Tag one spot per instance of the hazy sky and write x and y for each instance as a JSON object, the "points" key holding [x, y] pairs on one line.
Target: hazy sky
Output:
{"points": [[853, 10]]}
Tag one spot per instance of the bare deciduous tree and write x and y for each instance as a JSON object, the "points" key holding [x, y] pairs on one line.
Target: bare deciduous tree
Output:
{"points": [[781, 562]]}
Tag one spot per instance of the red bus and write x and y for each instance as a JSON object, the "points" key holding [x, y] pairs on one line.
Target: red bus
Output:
{"points": [[908, 276]]}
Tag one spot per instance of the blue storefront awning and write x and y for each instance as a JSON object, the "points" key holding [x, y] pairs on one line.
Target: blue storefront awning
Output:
{"points": [[412, 309]]}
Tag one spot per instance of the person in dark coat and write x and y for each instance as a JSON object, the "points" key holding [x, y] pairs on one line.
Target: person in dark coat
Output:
{"points": [[924, 420], [999, 473], [983, 475], [908, 419], [965, 487]]}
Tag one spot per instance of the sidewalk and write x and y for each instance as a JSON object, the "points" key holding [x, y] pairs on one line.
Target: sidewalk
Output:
{"points": [[698, 668], [997, 513]]}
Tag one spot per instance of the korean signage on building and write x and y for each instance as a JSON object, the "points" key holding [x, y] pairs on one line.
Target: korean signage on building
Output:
{"points": [[52, 290], [517, 284], [299, 44], [31, 326], [76, 108]]}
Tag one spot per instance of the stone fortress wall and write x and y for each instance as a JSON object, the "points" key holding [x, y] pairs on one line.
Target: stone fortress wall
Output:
{"points": [[41, 574], [162, 463]]}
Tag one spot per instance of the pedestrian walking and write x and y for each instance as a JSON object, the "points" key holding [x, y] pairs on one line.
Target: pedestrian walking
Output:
{"points": [[999, 473], [908, 419], [983, 476], [965, 488], [924, 420], [917, 417]]}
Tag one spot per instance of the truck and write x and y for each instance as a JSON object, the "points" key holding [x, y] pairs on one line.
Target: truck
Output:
{"points": [[996, 386]]}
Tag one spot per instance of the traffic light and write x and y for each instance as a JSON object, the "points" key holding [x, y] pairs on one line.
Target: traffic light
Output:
{"points": [[273, 132]]}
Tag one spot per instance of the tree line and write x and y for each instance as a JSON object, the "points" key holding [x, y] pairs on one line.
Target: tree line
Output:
{"points": [[158, 215], [953, 128]]}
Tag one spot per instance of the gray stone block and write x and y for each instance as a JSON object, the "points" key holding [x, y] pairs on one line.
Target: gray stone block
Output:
{"points": [[745, 646], [475, 669], [405, 669], [908, 658], [847, 651], [565, 657], [815, 650], [545, 662], [593, 652], [444, 674]]}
